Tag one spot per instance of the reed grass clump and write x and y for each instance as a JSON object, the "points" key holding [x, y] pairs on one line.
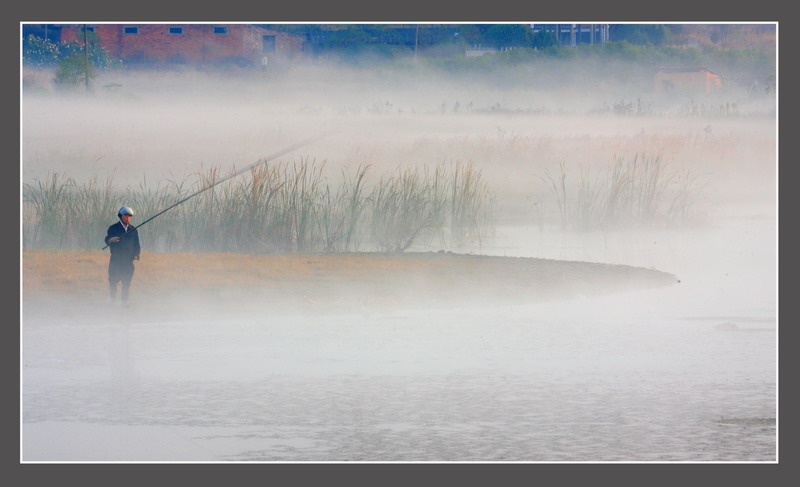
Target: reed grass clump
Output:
{"points": [[282, 207], [632, 191]]}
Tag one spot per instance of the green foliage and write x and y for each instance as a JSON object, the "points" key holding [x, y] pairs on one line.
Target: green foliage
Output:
{"points": [[73, 70], [641, 34], [362, 46], [368, 56], [625, 50], [470, 34], [542, 40], [39, 52], [98, 57], [509, 35], [724, 34], [618, 63], [350, 38]]}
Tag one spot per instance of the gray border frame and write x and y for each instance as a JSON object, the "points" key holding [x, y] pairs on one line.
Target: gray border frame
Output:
{"points": [[365, 10]]}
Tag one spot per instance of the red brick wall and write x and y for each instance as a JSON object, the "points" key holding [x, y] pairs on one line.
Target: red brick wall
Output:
{"points": [[285, 45], [197, 44]]}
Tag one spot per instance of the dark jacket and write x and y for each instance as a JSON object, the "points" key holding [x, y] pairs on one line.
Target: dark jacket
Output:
{"points": [[128, 247]]}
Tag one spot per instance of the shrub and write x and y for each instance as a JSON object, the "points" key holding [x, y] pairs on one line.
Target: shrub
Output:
{"points": [[73, 70]]}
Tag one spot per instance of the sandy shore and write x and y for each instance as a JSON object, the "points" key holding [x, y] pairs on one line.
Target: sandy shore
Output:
{"points": [[329, 281]]}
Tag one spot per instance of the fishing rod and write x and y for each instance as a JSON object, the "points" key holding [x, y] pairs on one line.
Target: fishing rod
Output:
{"points": [[281, 152]]}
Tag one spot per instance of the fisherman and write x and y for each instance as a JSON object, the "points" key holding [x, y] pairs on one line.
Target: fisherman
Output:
{"points": [[123, 240]]}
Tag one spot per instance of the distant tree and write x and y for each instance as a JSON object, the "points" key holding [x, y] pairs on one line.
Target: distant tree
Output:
{"points": [[348, 38], [73, 70], [726, 34], [37, 51], [542, 40], [641, 34], [509, 35], [470, 34], [431, 35]]}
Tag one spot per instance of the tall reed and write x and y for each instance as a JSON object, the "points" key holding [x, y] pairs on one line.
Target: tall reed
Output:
{"points": [[631, 191], [46, 211], [472, 206], [557, 184], [282, 207]]}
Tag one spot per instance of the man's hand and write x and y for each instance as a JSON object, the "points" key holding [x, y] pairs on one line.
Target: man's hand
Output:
{"points": [[113, 240]]}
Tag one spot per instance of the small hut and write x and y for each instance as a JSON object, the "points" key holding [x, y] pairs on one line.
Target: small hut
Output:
{"points": [[698, 79]]}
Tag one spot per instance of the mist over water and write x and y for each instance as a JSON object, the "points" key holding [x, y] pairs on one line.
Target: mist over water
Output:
{"points": [[679, 373]]}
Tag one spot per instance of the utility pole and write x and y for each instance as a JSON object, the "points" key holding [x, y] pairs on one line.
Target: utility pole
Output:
{"points": [[86, 57], [416, 42]]}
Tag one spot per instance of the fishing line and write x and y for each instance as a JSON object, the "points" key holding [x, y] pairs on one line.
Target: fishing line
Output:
{"points": [[282, 152]]}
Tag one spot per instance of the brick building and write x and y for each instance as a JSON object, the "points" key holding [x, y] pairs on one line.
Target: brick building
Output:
{"points": [[188, 43], [686, 80]]}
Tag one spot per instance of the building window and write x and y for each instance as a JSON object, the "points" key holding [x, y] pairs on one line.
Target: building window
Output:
{"points": [[176, 30], [89, 29], [220, 30], [131, 30]]}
